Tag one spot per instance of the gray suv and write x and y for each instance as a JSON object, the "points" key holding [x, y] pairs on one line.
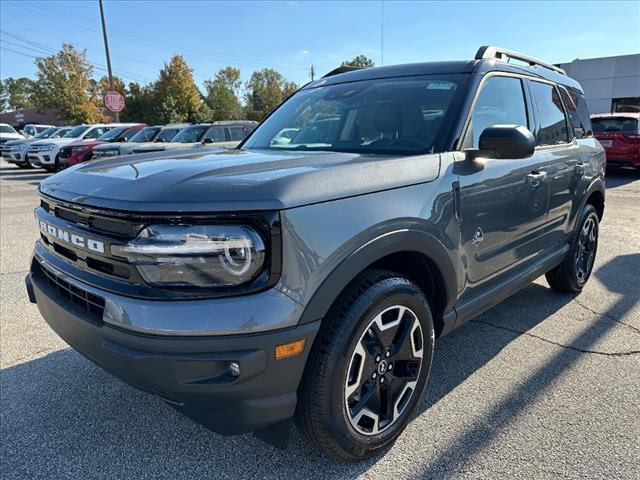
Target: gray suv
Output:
{"points": [[309, 277]]}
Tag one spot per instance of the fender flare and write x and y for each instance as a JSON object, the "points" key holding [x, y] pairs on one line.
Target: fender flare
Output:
{"points": [[394, 241], [596, 186]]}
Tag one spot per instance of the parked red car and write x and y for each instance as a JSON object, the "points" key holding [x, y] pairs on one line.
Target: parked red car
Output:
{"points": [[82, 151], [619, 134]]}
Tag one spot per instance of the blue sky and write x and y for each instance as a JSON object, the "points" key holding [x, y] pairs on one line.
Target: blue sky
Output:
{"points": [[291, 36]]}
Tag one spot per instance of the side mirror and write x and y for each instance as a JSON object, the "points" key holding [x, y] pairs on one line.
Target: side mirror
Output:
{"points": [[507, 141], [207, 140]]}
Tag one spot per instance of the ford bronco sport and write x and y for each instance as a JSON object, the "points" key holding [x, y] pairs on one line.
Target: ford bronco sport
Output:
{"points": [[308, 277]]}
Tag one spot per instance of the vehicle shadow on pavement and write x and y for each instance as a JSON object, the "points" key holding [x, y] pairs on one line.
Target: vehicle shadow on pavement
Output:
{"points": [[16, 174], [473, 352], [620, 177], [63, 417]]}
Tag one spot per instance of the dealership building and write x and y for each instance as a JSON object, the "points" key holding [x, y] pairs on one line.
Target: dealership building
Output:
{"points": [[611, 84]]}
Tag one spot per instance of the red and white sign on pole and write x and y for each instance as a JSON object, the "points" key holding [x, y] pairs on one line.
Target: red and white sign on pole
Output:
{"points": [[114, 101]]}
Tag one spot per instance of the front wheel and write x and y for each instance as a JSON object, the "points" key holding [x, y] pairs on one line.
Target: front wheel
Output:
{"points": [[369, 367], [572, 274]]}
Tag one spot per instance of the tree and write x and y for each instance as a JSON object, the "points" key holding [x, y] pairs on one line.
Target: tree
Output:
{"points": [[222, 94], [118, 86], [4, 97], [266, 89], [176, 87], [19, 93], [64, 84], [139, 104], [359, 61], [204, 114], [167, 110]]}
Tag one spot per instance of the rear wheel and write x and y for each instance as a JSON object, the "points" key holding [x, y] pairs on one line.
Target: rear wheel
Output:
{"points": [[368, 369], [572, 274]]}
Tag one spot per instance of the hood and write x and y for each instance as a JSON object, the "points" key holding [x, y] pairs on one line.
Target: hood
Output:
{"points": [[56, 141], [235, 180], [13, 143], [118, 145], [86, 143], [11, 136]]}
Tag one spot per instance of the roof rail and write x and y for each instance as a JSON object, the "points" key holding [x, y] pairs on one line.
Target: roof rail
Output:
{"points": [[497, 53], [342, 69]]}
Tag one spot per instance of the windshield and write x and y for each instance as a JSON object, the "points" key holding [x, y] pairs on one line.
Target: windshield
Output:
{"points": [[390, 116], [42, 129], [614, 124], [60, 132], [46, 133], [167, 134], [112, 134], [145, 135], [75, 132], [191, 134], [6, 129]]}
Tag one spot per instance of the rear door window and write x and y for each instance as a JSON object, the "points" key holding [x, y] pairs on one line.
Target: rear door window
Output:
{"points": [[237, 133], [552, 122], [215, 134], [97, 132]]}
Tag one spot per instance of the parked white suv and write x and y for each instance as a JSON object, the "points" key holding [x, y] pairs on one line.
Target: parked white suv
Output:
{"points": [[15, 151], [33, 129], [7, 133], [46, 153]]}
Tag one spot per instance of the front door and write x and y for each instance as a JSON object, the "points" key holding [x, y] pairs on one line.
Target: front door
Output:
{"points": [[503, 203]]}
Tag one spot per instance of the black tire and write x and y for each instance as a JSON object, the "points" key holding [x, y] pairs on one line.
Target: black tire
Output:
{"points": [[572, 274], [24, 166], [326, 408]]}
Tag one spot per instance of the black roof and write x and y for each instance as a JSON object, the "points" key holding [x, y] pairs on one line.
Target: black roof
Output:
{"points": [[435, 68]]}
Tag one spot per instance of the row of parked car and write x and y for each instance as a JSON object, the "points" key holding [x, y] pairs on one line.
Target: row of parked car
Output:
{"points": [[53, 148]]}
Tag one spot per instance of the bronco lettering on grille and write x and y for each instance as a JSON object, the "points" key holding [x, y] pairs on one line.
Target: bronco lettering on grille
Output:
{"points": [[72, 238]]}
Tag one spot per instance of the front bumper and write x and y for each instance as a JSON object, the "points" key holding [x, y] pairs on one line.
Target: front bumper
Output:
{"points": [[191, 373], [18, 158], [42, 158]]}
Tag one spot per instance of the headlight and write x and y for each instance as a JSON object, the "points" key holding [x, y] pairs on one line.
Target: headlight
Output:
{"points": [[106, 153], [195, 255], [78, 149]]}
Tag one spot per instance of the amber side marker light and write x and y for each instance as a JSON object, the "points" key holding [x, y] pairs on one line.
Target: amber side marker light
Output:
{"points": [[290, 349]]}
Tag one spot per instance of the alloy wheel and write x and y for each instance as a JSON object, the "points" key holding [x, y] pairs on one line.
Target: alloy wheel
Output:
{"points": [[384, 370], [586, 249]]}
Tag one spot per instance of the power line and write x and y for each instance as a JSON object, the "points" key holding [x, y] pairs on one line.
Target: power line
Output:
{"points": [[44, 50], [46, 53], [156, 41]]}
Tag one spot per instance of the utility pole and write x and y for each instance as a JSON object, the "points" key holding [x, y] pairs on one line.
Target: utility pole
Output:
{"points": [[116, 116], [382, 33], [312, 72]]}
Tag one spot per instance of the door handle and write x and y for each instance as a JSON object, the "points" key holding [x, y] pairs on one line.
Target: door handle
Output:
{"points": [[535, 178]]}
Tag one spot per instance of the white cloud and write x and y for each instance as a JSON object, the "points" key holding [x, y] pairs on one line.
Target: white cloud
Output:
{"points": [[304, 52]]}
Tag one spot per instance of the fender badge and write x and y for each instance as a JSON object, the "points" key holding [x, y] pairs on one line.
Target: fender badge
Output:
{"points": [[478, 237]]}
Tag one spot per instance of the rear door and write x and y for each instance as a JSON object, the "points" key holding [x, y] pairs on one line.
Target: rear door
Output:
{"points": [[567, 160], [503, 203]]}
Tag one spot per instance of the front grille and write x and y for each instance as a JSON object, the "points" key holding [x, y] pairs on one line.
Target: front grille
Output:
{"points": [[93, 304], [98, 223]]}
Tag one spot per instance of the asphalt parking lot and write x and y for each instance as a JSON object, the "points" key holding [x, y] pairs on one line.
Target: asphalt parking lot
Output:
{"points": [[542, 386]]}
